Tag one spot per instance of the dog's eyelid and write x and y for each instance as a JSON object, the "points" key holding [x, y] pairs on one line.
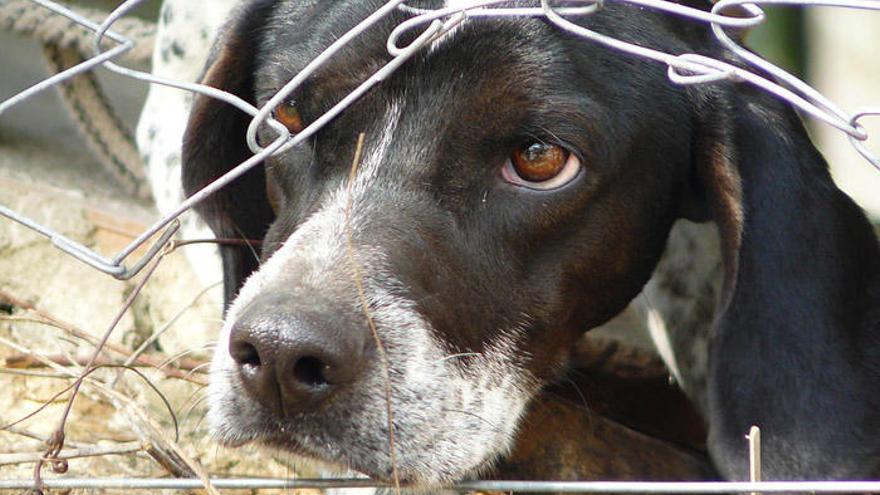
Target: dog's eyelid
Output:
{"points": [[544, 136]]}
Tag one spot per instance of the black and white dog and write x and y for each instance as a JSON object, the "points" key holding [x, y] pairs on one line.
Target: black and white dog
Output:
{"points": [[518, 186]]}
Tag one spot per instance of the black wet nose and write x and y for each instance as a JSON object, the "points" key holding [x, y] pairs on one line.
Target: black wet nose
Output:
{"points": [[292, 361]]}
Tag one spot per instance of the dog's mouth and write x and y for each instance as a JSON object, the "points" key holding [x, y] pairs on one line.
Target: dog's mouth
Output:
{"points": [[276, 438]]}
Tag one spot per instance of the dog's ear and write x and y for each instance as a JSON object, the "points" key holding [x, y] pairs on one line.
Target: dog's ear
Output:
{"points": [[801, 285], [214, 143]]}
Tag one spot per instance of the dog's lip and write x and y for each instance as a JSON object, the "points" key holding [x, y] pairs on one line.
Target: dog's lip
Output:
{"points": [[274, 440], [292, 446]]}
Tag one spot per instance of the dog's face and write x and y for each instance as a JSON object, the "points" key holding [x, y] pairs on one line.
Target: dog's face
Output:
{"points": [[515, 189]]}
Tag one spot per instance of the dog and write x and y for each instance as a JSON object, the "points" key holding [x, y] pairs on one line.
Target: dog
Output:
{"points": [[517, 188], [665, 444]]}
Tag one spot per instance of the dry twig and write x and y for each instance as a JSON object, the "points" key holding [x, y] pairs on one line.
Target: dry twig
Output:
{"points": [[359, 283], [184, 368], [42, 317], [91, 451]]}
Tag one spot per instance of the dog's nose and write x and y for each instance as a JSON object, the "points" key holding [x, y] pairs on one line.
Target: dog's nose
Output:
{"points": [[291, 362]]}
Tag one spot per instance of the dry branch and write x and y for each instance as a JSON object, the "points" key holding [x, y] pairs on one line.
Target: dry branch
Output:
{"points": [[93, 451], [152, 360], [183, 369]]}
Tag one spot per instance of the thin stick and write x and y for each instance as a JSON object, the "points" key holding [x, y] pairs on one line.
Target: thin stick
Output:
{"points": [[184, 367], [92, 451], [36, 436], [154, 360], [754, 438], [37, 374], [358, 281], [226, 242]]}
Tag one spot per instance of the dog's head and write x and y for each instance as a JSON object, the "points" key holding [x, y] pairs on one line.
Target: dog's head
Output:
{"points": [[516, 188]]}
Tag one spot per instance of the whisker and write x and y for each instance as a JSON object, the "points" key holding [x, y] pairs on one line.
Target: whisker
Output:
{"points": [[492, 425], [460, 355]]}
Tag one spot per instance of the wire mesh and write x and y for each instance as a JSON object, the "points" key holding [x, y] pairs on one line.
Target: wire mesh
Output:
{"points": [[687, 68], [425, 26]]}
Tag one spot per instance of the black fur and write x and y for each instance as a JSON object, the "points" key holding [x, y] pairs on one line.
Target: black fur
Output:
{"points": [[794, 347]]}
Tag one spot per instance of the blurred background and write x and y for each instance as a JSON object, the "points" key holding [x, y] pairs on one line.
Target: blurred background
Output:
{"points": [[835, 50]]}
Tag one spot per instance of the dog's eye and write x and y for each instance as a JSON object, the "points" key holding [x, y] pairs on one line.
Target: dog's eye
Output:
{"points": [[539, 165], [287, 114]]}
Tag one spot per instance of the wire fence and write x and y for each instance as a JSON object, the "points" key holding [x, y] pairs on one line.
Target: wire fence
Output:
{"points": [[424, 26], [685, 68]]}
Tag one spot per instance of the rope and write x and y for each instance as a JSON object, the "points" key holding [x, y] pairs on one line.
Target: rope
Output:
{"points": [[27, 18], [66, 44], [107, 136]]}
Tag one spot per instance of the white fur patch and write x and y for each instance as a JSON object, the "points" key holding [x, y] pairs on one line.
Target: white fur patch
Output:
{"points": [[660, 336], [683, 295]]}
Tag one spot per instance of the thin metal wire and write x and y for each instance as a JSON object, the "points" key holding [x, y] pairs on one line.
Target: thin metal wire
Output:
{"points": [[860, 145], [658, 487], [687, 68]]}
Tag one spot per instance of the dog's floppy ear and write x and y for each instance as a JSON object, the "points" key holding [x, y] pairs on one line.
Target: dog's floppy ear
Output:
{"points": [[793, 330], [214, 143]]}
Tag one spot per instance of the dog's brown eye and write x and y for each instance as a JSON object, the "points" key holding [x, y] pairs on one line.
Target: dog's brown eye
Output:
{"points": [[539, 165], [538, 162], [287, 114]]}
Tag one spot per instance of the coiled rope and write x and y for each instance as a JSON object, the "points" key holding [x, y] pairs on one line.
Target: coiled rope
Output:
{"points": [[66, 44]]}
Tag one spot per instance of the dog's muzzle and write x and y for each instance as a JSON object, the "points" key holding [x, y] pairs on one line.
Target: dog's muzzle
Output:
{"points": [[297, 367]]}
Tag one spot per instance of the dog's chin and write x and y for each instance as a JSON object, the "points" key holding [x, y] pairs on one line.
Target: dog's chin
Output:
{"points": [[409, 469], [352, 467], [336, 464]]}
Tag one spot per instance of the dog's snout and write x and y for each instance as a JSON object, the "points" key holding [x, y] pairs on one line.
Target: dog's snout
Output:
{"points": [[291, 362]]}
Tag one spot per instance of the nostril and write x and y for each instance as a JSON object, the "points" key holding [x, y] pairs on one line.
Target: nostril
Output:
{"points": [[310, 371], [244, 353]]}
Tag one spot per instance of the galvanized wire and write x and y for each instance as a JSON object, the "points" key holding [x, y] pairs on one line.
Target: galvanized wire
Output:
{"points": [[684, 68], [656, 487]]}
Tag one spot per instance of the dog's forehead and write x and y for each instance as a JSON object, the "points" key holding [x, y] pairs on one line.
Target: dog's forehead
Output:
{"points": [[513, 49]]}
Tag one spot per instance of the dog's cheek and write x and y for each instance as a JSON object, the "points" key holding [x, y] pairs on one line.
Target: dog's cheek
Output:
{"points": [[453, 414]]}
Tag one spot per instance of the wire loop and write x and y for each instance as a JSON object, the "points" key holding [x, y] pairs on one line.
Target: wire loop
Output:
{"points": [[435, 24]]}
